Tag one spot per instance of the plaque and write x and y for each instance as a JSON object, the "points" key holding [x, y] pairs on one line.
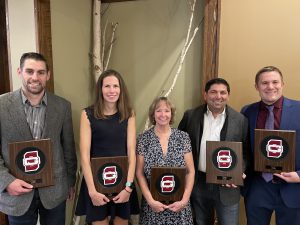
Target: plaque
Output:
{"points": [[31, 161], [224, 162], [167, 183], [274, 151], [110, 174]]}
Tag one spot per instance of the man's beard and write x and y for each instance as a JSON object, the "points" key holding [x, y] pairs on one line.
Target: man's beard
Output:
{"points": [[36, 90]]}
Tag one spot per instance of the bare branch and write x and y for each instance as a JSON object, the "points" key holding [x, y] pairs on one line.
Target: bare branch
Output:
{"points": [[112, 40], [103, 43], [185, 48]]}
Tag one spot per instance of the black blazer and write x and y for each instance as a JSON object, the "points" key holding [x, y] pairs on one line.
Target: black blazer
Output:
{"points": [[235, 129]]}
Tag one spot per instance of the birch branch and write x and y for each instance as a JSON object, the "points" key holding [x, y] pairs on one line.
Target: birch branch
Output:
{"points": [[112, 40], [103, 42], [185, 49], [97, 66], [186, 46]]}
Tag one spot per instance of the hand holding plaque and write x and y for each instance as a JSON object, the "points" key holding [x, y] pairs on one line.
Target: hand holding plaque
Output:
{"points": [[274, 151], [31, 161], [224, 162], [110, 174], [167, 183]]}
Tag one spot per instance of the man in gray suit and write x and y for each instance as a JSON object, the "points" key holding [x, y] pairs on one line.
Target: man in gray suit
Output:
{"points": [[33, 113], [214, 121]]}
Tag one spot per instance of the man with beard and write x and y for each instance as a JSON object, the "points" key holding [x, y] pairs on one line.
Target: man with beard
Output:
{"points": [[32, 113], [214, 121]]}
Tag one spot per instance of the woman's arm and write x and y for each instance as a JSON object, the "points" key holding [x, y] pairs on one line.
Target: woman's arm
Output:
{"points": [[189, 183], [155, 205], [85, 146], [124, 195]]}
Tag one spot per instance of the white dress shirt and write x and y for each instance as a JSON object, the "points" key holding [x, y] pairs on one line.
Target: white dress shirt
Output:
{"points": [[211, 132]]}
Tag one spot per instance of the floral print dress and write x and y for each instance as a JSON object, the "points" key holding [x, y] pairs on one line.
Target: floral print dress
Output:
{"points": [[148, 145]]}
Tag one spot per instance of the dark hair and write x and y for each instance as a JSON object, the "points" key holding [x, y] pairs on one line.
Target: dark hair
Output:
{"points": [[216, 81], [35, 56], [267, 69], [154, 105], [123, 103]]}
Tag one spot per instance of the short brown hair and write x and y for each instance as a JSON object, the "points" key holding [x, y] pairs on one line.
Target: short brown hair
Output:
{"points": [[154, 105], [35, 56], [267, 69]]}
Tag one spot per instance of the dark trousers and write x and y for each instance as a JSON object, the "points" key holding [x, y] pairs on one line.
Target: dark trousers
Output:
{"points": [[205, 201], [262, 199], [55, 216]]}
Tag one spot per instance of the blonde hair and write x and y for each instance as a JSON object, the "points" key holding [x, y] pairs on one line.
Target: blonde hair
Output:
{"points": [[154, 105]]}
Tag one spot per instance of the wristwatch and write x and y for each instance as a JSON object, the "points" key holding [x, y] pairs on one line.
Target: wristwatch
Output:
{"points": [[129, 184]]}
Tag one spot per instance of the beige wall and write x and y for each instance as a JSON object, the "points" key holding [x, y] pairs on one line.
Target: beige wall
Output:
{"points": [[150, 37], [21, 34], [255, 34], [71, 35]]}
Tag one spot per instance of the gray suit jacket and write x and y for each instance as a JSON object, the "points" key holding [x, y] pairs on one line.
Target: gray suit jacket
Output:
{"points": [[59, 128], [235, 129]]}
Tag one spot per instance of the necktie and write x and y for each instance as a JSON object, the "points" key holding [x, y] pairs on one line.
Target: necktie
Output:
{"points": [[269, 125]]}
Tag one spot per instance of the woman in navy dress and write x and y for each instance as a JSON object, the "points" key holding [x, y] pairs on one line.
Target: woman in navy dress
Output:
{"points": [[107, 128]]}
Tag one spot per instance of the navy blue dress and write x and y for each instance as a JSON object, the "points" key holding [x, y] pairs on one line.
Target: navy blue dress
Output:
{"points": [[109, 138]]}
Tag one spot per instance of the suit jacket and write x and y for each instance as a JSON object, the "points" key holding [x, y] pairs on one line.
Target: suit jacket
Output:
{"points": [[235, 129], [58, 127], [290, 192]]}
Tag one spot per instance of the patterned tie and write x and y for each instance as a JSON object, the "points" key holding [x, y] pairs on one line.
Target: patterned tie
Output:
{"points": [[269, 125]]}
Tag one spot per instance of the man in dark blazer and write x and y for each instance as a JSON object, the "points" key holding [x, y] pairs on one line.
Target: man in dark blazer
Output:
{"points": [[214, 121], [282, 193], [32, 113]]}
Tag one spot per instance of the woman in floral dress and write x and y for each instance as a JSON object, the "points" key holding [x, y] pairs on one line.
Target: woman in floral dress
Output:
{"points": [[163, 146]]}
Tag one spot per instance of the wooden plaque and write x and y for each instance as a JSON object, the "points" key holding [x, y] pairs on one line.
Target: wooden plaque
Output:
{"points": [[31, 161], [224, 162], [110, 174], [274, 151], [167, 183]]}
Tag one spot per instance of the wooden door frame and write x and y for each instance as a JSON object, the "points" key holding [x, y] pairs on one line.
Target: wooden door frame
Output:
{"points": [[5, 69], [42, 17], [211, 39]]}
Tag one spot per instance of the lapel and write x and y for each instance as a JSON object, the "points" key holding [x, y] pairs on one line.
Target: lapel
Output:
{"points": [[51, 117], [252, 117], [198, 126], [17, 115], [286, 120]]}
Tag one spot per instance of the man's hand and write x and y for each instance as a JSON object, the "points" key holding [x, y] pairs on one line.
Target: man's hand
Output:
{"points": [[18, 187], [233, 185], [290, 177]]}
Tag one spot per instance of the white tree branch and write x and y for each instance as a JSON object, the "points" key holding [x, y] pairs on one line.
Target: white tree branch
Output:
{"points": [[112, 40], [97, 65]]}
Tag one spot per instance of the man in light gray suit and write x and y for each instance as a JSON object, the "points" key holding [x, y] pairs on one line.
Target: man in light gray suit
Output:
{"points": [[33, 113], [214, 121]]}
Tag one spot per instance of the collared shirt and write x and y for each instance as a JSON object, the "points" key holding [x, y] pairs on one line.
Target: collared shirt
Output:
{"points": [[211, 132], [263, 114], [35, 115]]}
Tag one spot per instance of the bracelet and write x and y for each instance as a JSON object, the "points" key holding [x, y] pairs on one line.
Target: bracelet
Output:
{"points": [[127, 191]]}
